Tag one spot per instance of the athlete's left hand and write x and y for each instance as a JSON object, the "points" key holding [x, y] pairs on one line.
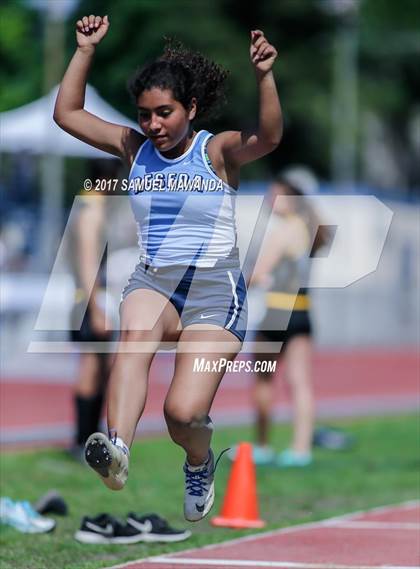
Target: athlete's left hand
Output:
{"points": [[262, 53]]}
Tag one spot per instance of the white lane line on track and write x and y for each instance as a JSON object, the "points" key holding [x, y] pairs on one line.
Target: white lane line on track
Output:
{"points": [[407, 505], [187, 562], [375, 525]]}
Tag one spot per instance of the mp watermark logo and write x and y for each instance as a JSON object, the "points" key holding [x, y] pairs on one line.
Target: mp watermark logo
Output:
{"points": [[361, 225]]}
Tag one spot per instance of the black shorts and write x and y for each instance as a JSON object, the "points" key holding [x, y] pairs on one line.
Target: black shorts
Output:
{"points": [[274, 326]]}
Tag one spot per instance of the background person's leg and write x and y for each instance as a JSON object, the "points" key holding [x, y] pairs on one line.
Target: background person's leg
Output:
{"points": [[263, 403], [264, 397], [298, 374], [89, 394]]}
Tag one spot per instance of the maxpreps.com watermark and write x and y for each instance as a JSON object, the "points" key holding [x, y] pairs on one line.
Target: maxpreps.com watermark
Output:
{"points": [[236, 366]]}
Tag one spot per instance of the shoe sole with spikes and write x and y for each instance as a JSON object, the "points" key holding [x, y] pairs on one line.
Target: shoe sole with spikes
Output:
{"points": [[107, 460]]}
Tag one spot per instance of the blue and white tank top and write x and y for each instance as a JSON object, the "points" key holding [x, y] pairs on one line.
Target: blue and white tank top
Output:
{"points": [[184, 212]]}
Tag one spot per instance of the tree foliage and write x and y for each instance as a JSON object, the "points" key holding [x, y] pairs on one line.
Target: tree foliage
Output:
{"points": [[302, 30]]}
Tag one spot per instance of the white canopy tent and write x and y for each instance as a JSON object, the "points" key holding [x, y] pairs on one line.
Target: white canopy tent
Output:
{"points": [[31, 128]]}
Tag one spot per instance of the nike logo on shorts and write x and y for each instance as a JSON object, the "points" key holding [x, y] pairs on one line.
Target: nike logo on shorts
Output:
{"points": [[202, 316]]}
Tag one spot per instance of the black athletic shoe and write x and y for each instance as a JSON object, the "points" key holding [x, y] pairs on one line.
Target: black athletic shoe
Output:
{"points": [[107, 529], [153, 528], [51, 503]]}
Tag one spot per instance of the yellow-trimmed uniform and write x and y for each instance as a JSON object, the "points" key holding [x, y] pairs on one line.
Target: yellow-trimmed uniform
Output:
{"points": [[284, 302]]}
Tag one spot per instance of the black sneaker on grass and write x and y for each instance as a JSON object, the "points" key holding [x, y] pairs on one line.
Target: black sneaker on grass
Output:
{"points": [[153, 528], [107, 529], [51, 503]]}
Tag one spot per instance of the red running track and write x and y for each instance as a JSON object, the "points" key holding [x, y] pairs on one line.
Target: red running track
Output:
{"points": [[377, 539], [346, 384]]}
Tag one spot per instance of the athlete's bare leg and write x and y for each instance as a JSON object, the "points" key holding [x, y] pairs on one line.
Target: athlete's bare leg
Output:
{"points": [[191, 393], [263, 402], [87, 383], [129, 377], [298, 362], [264, 397]]}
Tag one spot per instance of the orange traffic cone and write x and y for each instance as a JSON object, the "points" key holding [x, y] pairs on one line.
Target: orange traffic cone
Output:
{"points": [[240, 508]]}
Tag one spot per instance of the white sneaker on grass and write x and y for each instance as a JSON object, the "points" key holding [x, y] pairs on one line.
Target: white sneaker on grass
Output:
{"points": [[108, 460], [199, 489], [23, 517]]}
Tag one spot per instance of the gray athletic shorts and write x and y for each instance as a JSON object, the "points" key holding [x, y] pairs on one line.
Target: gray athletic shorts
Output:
{"points": [[215, 295]]}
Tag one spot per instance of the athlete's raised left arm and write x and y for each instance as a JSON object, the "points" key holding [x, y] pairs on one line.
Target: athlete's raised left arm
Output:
{"points": [[237, 147]]}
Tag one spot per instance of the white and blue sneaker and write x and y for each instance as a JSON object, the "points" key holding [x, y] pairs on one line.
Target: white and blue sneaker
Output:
{"points": [[108, 460], [23, 517], [199, 489], [40, 523]]}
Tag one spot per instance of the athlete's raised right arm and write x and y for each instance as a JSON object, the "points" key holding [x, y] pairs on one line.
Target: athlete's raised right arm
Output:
{"points": [[69, 112]]}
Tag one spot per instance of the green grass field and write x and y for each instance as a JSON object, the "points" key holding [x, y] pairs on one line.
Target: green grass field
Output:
{"points": [[381, 469]]}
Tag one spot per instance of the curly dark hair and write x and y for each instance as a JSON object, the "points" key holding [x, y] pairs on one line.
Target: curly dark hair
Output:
{"points": [[187, 74]]}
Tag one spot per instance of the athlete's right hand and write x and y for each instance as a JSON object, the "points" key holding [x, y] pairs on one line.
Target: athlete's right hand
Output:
{"points": [[90, 30]]}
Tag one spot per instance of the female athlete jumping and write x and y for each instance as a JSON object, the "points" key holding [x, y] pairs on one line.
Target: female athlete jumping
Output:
{"points": [[188, 286]]}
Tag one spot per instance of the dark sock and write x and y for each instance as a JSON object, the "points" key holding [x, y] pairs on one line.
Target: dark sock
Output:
{"points": [[96, 415], [88, 412]]}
